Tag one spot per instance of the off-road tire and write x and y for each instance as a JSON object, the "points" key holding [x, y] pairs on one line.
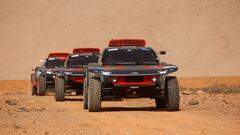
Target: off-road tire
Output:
{"points": [[42, 86], [85, 94], [59, 88], [172, 94], [34, 90], [94, 95], [160, 103]]}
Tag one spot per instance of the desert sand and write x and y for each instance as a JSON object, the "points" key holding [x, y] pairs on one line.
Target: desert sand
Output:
{"points": [[201, 114], [200, 36]]}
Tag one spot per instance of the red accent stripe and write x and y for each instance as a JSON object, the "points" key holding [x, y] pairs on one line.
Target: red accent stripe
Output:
{"points": [[158, 66], [134, 83], [106, 67], [120, 67], [121, 80], [76, 79], [146, 66]]}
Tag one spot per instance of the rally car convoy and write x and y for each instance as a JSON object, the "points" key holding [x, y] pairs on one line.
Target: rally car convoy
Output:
{"points": [[43, 77], [125, 69], [72, 76]]}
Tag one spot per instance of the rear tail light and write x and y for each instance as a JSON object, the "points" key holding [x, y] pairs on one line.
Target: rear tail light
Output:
{"points": [[76, 78]]}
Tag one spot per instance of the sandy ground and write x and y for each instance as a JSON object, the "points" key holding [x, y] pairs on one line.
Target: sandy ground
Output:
{"points": [[185, 82], [200, 36], [201, 113]]}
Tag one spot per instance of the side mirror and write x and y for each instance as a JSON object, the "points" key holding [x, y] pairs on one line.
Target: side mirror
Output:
{"points": [[42, 61], [162, 52]]}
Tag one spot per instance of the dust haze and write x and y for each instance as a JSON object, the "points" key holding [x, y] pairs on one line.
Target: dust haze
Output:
{"points": [[202, 37]]}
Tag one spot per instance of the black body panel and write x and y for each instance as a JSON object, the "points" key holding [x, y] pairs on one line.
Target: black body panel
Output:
{"points": [[132, 80]]}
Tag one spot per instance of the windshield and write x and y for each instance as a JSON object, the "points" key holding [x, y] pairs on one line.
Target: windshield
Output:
{"points": [[54, 62], [126, 56], [77, 60]]}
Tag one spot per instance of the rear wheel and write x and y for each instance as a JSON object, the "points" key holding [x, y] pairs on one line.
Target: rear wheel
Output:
{"points": [[33, 82], [34, 90], [42, 86], [59, 88], [94, 95], [85, 94], [172, 94]]}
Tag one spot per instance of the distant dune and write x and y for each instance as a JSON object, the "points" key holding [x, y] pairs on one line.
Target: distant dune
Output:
{"points": [[202, 37]]}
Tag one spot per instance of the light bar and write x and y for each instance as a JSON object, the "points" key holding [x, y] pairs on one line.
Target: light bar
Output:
{"points": [[127, 42], [86, 50], [57, 54]]}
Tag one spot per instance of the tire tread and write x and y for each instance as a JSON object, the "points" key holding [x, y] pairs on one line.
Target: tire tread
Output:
{"points": [[173, 97]]}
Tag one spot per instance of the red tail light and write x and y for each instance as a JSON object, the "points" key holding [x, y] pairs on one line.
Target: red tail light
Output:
{"points": [[76, 79]]}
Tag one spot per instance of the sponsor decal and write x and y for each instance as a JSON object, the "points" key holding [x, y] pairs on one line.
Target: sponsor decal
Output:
{"points": [[112, 49], [134, 73], [134, 87], [75, 55], [51, 58]]}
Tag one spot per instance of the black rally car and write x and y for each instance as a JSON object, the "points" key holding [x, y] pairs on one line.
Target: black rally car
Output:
{"points": [[43, 77], [72, 76], [128, 69]]}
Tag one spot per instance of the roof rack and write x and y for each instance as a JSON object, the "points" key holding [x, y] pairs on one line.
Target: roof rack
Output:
{"points": [[57, 54], [127, 42], [86, 50]]}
